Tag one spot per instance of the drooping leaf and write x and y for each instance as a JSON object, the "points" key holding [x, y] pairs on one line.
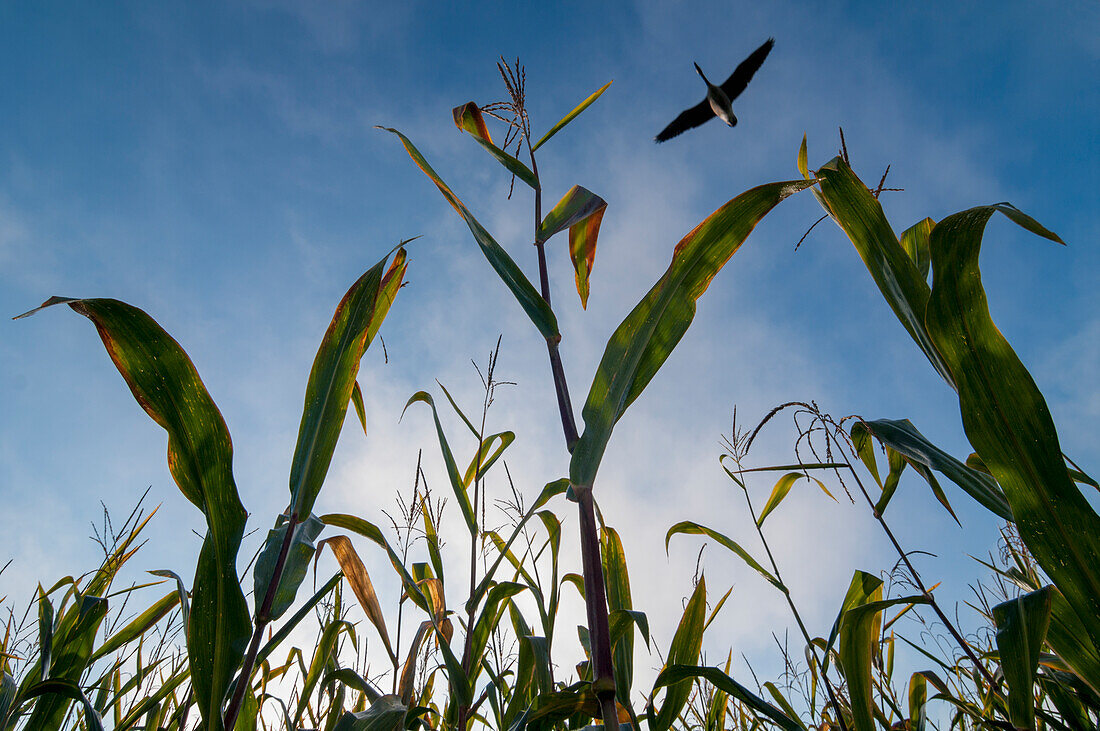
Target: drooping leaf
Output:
{"points": [[166, 385], [905, 438], [294, 568], [1021, 630], [332, 379], [66, 689], [356, 574], [571, 116], [1006, 418], [690, 528], [468, 119], [686, 645], [457, 484], [760, 707], [644, 340], [860, 215], [509, 272], [581, 211], [360, 408]]}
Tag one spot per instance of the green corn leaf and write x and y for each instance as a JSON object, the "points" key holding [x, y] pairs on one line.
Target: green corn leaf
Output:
{"points": [[72, 646], [918, 702], [138, 626], [571, 116], [902, 436], [353, 680], [385, 714], [690, 528], [487, 453], [617, 583], [66, 689], [860, 215], [581, 211], [458, 486], [294, 568], [686, 645], [915, 242], [332, 379], [783, 703], [322, 655], [759, 707], [184, 596], [200, 454], [360, 408], [897, 463], [644, 340], [857, 644], [45, 634], [1021, 631], [782, 487], [1006, 418], [468, 119], [510, 273], [1069, 639], [803, 159], [496, 603], [9, 690]]}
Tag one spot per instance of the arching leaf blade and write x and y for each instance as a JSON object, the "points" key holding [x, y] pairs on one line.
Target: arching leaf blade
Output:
{"points": [[644, 340]]}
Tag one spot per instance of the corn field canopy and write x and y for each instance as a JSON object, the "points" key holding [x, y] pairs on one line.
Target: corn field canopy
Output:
{"points": [[371, 368]]}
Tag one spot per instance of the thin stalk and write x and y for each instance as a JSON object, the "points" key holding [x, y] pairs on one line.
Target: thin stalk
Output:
{"points": [[963, 644], [595, 593], [262, 620], [794, 611]]}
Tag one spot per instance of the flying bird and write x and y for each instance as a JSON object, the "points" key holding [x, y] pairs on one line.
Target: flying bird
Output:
{"points": [[717, 102]]}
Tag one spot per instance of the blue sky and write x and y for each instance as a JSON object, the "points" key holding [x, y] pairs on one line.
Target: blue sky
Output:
{"points": [[216, 165]]}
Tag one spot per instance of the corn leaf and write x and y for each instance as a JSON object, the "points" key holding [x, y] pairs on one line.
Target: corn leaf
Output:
{"points": [[902, 436], [332, 379], [581, 211], [686, 645], [760, 707], [571, 116], [138, 626], [458, 486], [200, 454], [617, 582], [915, 242], [510, 273], [1006, 418], [644, 340], [690, 528], [356, 574], [294, 568], [1021, 631], [860, 215], [468, 119]]}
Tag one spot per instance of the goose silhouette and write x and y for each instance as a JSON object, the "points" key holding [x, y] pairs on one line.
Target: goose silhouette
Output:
{"points": [[718, 100]]}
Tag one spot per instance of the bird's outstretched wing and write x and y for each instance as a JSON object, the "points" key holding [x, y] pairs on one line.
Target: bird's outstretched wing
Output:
{"points": [[688, 118], [742, 75]]}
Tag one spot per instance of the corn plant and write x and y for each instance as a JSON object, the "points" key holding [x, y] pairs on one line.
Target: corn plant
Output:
{"points": [[223, 640], [634, 353]]}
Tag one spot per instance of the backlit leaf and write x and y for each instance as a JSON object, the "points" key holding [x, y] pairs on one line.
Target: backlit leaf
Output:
{"points": [[1006, 418], [468, 119], [1021, 630], [644, 340], [571, 116], [581, 211], [166, 385], [512, 276]]}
